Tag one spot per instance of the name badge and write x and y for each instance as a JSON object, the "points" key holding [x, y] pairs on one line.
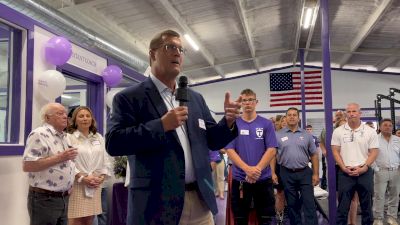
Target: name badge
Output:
{"points": [[95, 142], [347, 139], [202, 125], [244, 132], [284, 139]]}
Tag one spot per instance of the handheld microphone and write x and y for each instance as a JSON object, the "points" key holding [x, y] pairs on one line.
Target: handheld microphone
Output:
{"points": [[182, 91]]}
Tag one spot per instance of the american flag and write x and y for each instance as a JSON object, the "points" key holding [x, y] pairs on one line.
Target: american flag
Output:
{"points": [[285, 88]]}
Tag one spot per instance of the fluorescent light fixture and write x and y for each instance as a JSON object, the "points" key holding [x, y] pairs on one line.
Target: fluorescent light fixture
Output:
{"points": [[205, 79], [66, 96], [307, 18], [191, 42], [392, 70], [240, 73], [360, 67]]}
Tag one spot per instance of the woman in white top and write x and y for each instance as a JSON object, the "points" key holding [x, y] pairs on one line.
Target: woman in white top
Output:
{"points": [[91, 167]]}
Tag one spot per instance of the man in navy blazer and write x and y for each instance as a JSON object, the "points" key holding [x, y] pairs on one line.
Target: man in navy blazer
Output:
{"points": [[168, 144]]}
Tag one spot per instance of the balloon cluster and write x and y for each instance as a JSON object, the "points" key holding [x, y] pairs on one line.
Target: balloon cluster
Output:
{"points": [[51, 83]]}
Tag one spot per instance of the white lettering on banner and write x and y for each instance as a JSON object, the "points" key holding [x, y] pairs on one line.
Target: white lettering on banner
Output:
{"points": [[86, 60]]}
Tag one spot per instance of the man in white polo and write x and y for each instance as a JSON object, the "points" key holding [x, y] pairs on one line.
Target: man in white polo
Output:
{"points": [[387, 175], [355, 148]]}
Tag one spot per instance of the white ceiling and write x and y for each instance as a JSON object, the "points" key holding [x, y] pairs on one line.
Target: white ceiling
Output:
{"points": [[238, 37]]}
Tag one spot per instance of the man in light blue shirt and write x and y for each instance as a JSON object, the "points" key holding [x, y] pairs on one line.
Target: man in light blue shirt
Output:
{"points": [[387, 174]]}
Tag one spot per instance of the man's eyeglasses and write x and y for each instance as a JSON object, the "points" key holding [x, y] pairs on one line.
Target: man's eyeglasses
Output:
{"points": [[250, 100], [173, 48]]}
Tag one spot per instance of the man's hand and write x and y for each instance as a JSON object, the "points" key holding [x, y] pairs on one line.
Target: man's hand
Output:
{"points": [[253, 173], [357, 170], [315, 179], [174, 118], [68, 154], [346, 169], [250, 180], [274, 178], [232, 109]]}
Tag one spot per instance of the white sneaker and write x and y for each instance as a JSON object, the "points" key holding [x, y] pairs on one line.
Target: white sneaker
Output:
{"points": [[392, 221], [378, 222]]}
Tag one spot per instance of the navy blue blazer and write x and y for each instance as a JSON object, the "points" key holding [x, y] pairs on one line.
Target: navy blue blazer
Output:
{"points": [[157, 182]]}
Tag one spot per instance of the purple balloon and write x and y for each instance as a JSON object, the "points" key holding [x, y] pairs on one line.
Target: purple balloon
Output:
{"points": [[112, 75], [58, 50]]}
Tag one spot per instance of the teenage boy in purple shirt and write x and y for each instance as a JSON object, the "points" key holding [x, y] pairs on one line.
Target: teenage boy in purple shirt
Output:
{"points": [[251, 152]]}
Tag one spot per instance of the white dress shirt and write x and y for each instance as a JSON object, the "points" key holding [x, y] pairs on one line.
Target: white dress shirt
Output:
{"points": [[389, 152], [92, 156], [170, 102]]}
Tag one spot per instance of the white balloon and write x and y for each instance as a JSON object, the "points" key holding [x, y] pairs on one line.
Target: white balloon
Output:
{"points": [[110, 96], [50, 84]]}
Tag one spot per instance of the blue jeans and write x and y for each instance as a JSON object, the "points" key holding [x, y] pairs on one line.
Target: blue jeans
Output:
{"points": [[101, 219], [44, 209], [347, 185], [299, 194]]}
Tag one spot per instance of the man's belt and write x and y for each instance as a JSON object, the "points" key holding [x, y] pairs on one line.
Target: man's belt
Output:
{"points": [[388, 168], [50, 193], [294, 170], [191, 186]]}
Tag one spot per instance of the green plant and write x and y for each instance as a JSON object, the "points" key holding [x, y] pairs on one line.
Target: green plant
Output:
{"points": [[120, 163]]}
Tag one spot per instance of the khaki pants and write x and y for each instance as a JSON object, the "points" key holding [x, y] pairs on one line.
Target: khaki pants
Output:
{"points": [[195, 211], [219, 178], [386, 190]]}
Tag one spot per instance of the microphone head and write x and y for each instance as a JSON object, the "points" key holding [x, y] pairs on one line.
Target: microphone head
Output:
{"points": [[182, 91], [183, 82]]}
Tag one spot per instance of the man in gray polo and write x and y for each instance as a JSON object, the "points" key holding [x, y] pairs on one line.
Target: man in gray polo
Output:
{"points": [[387, 175], [49, 162], [296, 148]]}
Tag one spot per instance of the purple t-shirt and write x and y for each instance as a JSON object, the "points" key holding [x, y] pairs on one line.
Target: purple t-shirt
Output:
{"points": [[254, 139], [214, 156]]}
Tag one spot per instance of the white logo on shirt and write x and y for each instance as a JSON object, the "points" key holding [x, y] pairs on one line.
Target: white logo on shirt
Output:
{"points": [[259, 132]]}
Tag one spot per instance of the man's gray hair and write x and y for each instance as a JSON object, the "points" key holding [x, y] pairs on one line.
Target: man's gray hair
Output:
{"points": [[354, 104], [46, 110]]}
